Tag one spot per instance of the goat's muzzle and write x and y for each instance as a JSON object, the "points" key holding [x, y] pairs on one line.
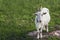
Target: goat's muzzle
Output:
{"points": [[39, 21]]}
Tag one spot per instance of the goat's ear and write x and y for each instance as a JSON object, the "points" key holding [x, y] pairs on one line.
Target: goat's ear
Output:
{"points": [[36, 14]]}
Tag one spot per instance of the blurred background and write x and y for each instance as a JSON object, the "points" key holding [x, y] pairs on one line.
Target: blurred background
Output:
{"points": [[17, 19]]}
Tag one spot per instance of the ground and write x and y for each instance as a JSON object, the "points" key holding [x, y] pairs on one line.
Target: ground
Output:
{"points": [[45, 34], [17, 19]]}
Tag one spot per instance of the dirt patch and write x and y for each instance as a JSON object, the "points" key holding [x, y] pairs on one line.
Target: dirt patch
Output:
{"points": [[45, 34]]}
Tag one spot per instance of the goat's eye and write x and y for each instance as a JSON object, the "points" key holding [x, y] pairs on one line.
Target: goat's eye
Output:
{"points": [[44, 13]]}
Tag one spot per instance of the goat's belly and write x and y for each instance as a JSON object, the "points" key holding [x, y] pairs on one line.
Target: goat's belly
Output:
{"points": [[46, 20]]}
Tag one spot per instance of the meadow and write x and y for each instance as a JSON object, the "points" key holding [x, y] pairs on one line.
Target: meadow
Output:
{"points": [[17, 19]]}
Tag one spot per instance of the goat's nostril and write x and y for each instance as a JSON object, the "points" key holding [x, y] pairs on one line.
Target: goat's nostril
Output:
{"points": [[40, 21]]}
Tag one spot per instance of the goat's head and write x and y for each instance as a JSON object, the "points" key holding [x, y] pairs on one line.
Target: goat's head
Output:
{"points": [[39, 16], [41, 13], [44, 11]]}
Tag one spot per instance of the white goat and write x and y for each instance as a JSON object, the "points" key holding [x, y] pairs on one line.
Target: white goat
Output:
{"points": [[41, 20]]}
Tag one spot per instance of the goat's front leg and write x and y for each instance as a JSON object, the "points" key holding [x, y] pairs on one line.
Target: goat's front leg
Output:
{"points": [[41, 32], [37, 33]]}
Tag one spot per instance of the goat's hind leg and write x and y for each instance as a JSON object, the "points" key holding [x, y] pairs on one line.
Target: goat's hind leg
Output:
{"points": [[46, 26]]}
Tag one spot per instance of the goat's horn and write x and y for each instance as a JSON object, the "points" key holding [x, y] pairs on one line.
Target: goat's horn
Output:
{"points": [[38, 9], [41, 7]]}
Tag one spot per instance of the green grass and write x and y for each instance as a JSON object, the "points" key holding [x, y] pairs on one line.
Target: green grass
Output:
{"points": [[17, 19]]}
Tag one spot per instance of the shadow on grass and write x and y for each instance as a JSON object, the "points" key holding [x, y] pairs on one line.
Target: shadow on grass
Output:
{"points": [[5, 35]]}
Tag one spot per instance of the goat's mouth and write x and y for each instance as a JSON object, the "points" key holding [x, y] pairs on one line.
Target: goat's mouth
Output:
{"points": [[40, 21]]}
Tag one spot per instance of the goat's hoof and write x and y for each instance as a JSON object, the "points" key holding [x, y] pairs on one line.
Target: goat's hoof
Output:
{"points": [[37, 37], [40, 36], [47, 31]]}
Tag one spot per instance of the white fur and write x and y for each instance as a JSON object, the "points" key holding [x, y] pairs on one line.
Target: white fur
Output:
{"points": [[44, 21]]}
